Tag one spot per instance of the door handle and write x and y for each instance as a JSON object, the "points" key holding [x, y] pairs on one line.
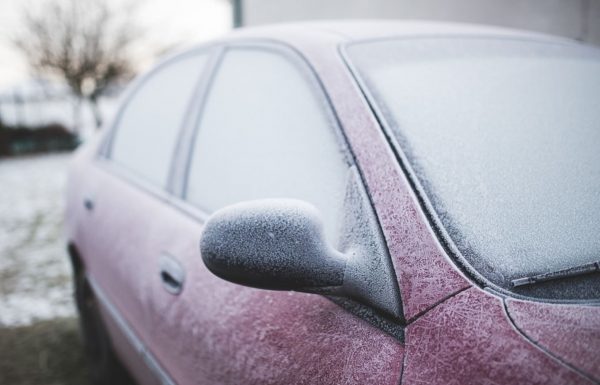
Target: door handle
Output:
{"points": [[172, 274]]}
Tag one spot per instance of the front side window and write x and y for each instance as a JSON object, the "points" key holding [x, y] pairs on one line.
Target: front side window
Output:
{"points": [[504, 138], [267, 132], [148, 128]]}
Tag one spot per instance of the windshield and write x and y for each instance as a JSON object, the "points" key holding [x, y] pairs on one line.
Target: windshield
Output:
{"points": [[504, 139]]}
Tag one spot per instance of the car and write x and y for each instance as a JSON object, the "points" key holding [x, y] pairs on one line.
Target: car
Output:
{"points": [[360, 202]]}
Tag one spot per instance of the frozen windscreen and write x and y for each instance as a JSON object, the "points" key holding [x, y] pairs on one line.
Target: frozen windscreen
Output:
{"points": [[504, 138]]}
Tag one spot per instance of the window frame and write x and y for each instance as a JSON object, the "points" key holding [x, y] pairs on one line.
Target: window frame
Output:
{"points": [[173, 194], [303, 66], [103, 158]]}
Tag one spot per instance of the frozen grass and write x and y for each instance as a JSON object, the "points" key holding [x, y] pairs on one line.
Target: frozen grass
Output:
{"points": [[39, 338], [34, 269]]}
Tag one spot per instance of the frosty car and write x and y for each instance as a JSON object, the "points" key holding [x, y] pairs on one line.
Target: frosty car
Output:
{"points": [[346, 203]]}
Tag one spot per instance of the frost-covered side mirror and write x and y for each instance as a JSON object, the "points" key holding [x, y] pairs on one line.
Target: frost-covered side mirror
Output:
{"points": [[279, 244], [276, 244]]}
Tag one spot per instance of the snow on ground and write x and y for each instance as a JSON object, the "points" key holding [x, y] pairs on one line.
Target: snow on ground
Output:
{"points": [[35, 275]]}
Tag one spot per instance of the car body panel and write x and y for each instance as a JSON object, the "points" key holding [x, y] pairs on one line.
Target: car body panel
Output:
{"points": [[470, 339], [86, 182], [218, 332], [125, 343], [117, 257], [570, 332]]}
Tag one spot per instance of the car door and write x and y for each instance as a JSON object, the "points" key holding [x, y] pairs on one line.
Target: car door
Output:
{"points": [[264, 130], [126, 187]]}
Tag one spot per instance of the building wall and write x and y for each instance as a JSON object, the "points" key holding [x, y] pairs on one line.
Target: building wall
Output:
{"points": [[576, 19]]}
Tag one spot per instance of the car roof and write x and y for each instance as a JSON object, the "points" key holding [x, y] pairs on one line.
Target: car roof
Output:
{"points": [[324, 32], [323, 37]]}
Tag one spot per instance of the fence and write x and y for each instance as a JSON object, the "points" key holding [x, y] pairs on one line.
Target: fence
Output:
{"points": [[39, 104]]}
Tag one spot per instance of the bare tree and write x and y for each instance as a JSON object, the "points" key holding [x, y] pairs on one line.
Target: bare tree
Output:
{"points": [[86, 43]]}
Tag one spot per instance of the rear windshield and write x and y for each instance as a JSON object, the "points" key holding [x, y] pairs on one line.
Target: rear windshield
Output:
{"points": [[504, 139]]}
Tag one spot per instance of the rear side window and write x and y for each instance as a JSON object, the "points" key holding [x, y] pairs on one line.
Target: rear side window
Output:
{"points": [[267, 132], [147, 131]]}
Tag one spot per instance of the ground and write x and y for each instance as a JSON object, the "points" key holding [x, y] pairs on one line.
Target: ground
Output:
{"points": [[39, 338]]}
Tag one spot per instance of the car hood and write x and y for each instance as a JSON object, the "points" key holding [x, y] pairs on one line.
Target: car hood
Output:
{"points": [[569, 332]]}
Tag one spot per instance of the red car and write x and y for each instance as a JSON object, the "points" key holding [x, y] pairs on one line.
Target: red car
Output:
{"points": [[347, 203]]}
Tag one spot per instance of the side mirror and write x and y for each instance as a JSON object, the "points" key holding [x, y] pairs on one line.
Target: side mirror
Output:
{"points": [[279, 244], [272, 244]]}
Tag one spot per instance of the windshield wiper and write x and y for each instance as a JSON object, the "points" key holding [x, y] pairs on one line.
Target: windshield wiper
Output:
{"points": [[560, 274]]}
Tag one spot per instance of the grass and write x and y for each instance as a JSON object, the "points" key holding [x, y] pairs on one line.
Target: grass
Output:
{"points": [[35, 277], [44, 353], [13, 271]]}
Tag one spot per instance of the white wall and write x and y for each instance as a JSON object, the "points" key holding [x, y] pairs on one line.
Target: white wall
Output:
{"points": [[577, 19]]}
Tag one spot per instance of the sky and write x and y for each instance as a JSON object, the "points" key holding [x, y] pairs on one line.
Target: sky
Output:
{"points": [[165, 22]]}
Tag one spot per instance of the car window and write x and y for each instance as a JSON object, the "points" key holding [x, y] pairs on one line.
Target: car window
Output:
{"points": [[266, 131], [147, 131]]}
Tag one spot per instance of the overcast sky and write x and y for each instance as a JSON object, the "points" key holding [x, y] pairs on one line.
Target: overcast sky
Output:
{"points": [[166, 22]]}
